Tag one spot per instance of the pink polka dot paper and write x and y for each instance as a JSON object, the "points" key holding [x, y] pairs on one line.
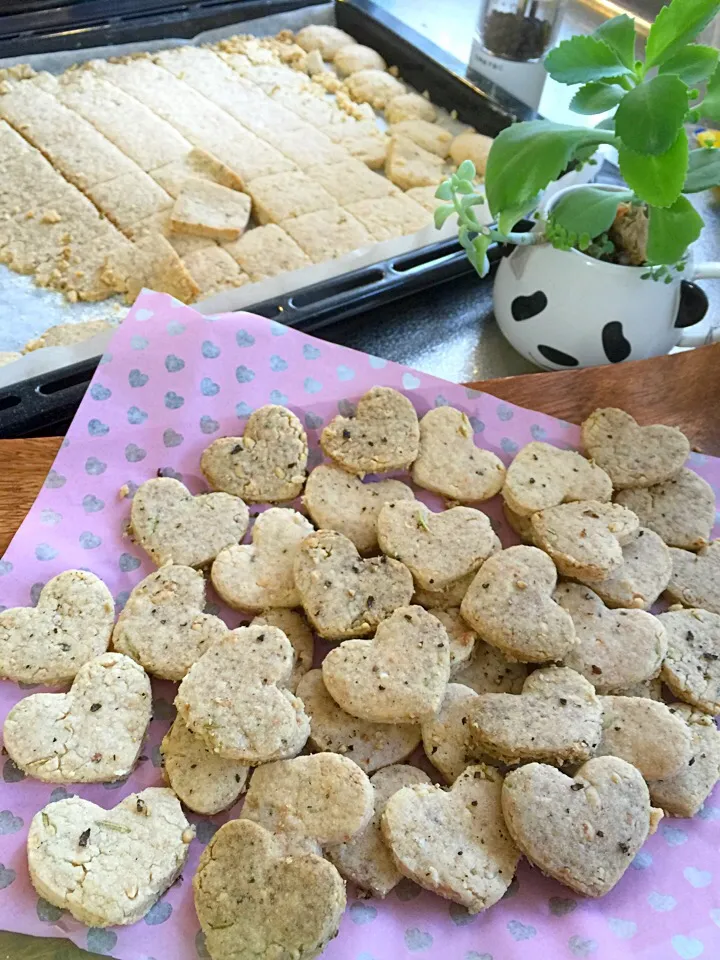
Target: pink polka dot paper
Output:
{"points": [[171, 382]]}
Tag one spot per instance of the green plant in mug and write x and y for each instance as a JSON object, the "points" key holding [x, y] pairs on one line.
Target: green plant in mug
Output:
{"points": [[653, 99]]}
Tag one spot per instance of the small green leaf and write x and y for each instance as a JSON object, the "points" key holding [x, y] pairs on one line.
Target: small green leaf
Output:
{"points": [[464, 186], [675, 26], [659, 179], [509, 217], [607, 124], [580, 59], [476, 200], [703, 170], [649, 117], [442, 213], [589, 210], [619, 35], [444, 191], [710, 107], [693, 64], [466, 170], [596, 97]]}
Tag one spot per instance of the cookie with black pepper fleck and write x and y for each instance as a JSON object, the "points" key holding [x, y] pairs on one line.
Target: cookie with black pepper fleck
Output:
{"points": [[542, 476], [695, 577], [681, 510], [446, 735], [487, 671], [295, 627], [684, 794], [646, 734], [641, 577], [462, 636], [692, 664]]}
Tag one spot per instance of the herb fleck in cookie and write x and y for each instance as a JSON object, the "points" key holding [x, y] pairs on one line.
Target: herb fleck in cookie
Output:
{"points": [[641, 577], [543, 476], [462, 636], [92, 733], [235, 699], [684, 794], [646, 734], [365, 859], [632, 455], [427, 828], [582, 831], [295, 627], [173, 526], [681, 510], [446, 735], [585, 538], [616, 648], [383, 435], [108, 867], [343, 595], [205, 782], [488, 671], [446, 599], [370, 745], [163, 627], [450, 464], [437, 548], [692, 664], [398, 677], [336, 500], [70, 626], [695, 577], [267, 464], [510, 604], [258, 575]]}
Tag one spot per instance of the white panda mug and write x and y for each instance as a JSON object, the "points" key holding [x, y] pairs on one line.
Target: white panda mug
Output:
{"points": [[564, 309]]}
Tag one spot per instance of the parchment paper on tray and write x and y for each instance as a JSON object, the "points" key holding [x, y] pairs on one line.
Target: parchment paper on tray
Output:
{"points": [[172, 381]]}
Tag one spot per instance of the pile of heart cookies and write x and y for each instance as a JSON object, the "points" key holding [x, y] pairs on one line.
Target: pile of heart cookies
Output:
{"points": [[559, 717]]}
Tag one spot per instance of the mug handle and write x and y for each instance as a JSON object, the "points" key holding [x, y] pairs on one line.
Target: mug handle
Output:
{"points": [[703, 271]]}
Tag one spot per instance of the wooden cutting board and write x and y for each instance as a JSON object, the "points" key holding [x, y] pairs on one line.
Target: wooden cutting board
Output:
{"points": [[682, 389]]}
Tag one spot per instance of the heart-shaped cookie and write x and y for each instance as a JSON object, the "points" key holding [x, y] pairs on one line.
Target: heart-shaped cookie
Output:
{"points": [[343, 595], [253, 900], [108, 867], [632, 455], [337, 500], [255, 576], [437, 548], [510, 605], [450, 464], [173, 526], [447, 599], [92, 733], [370, 745], [695, 577], [646, 734], [454, 842], [383, 435], [234, 697], [163, 626], [462, 637], [267, 464], [583, 831], [680, 510], [641, 577], [557, 719], [295, 627], [446, 735], [398, 677], [70, 625], [487, 671], [543, 476], [684, 794], [615, 648], [585, 538], [692, 664]]}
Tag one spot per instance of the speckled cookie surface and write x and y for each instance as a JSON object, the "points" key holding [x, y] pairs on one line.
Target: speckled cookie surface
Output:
{"points": [[462, 636], [234, 697], [425, 827], [446, 599], [205, 782], [692, 664], [163, 627], [641, 577], [70, 625], [681, 510], [127, 856], [370, 745], [337, 500], [437, 548], [544, 476], [258, 575], [252, 900], [521, 525], [557, 719], [295, 627], [615, 648], [342, 594], [398, 677], [510, 605], [92, 733], [695, 577], [487, 671], [632, 455], [267, 464], [450, 464], [172, 526], [446, 734], [585, 538], [383, 435], [684, 794], [365, 860], [583, 831], [646, 734]]}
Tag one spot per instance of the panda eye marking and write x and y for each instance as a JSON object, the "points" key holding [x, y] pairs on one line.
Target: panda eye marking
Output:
{"points": [[524, 308], [615, 345]]}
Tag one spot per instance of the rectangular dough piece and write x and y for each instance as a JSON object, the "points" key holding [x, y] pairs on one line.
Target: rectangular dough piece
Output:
{"points": [[430, 136], [182, 243], [309, 106], [363, 141], [350, 181], [210, 168], [208, 209], [425, 196], [27, 178], [327, 234], [390, 217], [286, 195], [306, 146], [213, 270], [173, 176], [270, 76], [408, 165], [132, 197], [150, 262], [267, 251]]}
